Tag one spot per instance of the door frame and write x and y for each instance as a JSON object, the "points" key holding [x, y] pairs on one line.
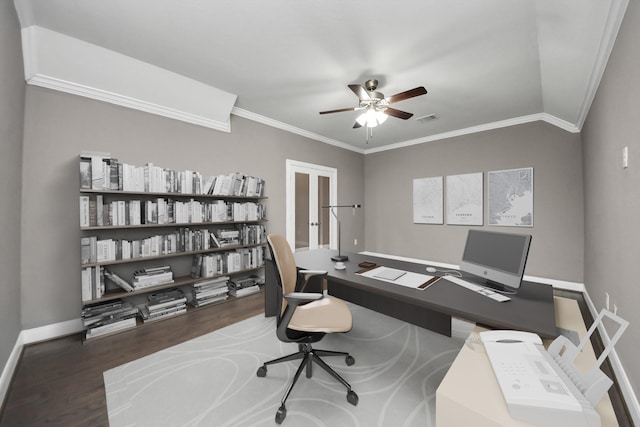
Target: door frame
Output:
{"points": [[293, 167]]}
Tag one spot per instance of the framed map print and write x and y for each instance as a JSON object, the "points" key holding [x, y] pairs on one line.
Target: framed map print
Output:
{"points": [[465, 199], [427, 200], [511, 197]]}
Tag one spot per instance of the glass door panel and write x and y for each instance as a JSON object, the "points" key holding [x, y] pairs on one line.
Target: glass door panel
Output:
{"points": [[324, 227], [302, 219]]}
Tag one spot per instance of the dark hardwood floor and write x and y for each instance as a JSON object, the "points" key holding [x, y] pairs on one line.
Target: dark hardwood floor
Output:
{"points": [[59, 382]]}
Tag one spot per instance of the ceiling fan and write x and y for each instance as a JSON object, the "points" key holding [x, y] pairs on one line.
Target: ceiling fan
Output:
{"points": [[376, 106]]}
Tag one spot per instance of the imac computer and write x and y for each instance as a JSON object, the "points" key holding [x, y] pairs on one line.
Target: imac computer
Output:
{"points": [[498, 259]]}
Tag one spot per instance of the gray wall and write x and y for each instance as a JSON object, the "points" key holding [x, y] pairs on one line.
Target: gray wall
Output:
{"points": [[612, 194], [11, 124], [58, 126], [556, 157]]}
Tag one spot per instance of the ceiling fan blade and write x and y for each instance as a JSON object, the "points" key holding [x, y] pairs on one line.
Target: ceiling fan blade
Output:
{"points": [[356, 125], [407, 94], [360, 91], [397, 113], [339, 110]]}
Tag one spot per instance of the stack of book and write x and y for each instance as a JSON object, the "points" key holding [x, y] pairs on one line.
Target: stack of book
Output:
{"points": [[161, 305], [152, 277], [108, 317], [210, 290], [242, 286]]}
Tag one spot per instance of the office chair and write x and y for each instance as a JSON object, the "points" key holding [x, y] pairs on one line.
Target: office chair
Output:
{"points": [[304, 318]]}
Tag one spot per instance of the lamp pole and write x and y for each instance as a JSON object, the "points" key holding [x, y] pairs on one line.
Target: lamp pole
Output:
{"points": [[340, 257]]}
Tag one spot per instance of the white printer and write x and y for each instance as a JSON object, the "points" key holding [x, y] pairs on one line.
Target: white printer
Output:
{"points": [[543, 387]]}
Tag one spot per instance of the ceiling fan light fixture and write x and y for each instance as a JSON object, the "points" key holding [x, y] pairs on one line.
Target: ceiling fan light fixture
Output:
{"points": [[371, 118]]}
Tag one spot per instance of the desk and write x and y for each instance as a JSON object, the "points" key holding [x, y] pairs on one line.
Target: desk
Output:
{"points": [[469, 395], [532, 309]]}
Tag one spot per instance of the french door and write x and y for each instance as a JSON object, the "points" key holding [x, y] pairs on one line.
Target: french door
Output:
{"points": [[309, 188]]}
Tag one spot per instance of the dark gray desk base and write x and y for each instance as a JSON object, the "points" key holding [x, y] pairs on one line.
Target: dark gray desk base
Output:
{"points": [[532, 309], [409, 312]]}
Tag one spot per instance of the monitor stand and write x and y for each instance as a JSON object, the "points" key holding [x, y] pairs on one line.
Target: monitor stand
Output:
{"points": [[494, 286]]}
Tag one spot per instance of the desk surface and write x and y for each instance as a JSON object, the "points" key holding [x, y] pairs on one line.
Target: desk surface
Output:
{"points": [[470, 395], [531, 309]]}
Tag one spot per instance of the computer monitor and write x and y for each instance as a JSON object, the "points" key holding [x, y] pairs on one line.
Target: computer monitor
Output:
{"points": [[499, 258]]}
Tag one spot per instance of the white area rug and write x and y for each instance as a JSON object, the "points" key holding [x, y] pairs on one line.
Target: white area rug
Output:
{"points": [[211, 380]]}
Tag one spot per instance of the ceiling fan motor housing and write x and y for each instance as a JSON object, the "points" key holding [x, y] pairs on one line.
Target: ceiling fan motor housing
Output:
{"points": [[371, 85]]}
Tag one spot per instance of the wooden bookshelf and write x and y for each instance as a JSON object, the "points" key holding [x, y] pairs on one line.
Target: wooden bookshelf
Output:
{"points": [[126, 221]]}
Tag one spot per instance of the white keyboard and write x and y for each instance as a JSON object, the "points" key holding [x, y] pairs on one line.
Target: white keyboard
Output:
{"points": [[477, 288]]}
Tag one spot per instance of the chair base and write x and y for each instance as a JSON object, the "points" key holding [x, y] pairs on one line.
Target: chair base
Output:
{"points": [[309, 356]]}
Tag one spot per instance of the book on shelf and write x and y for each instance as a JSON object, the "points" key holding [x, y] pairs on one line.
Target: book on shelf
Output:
{"points": [[116, 326], [162, 297], [209, 300], [239, 286], [149, 316], [212, 282], [163, 304], [85, 214], [85, 173], [92, 169], [92, 282], [108, 317], [118, 281], [244, 291], [196, 266], [152, 277], [205, 293], [209, 290]]}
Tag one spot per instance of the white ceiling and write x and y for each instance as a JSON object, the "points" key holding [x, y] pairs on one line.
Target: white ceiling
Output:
{"points": [[484, 63]]}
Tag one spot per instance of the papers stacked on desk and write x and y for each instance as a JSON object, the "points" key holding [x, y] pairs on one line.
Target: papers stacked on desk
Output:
{"points": [[399, 277]]}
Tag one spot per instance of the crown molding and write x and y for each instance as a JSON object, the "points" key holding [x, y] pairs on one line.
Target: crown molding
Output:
{"points": [[481, 128], [51, 61], [125, 101], [614, 21], [292, 129]]}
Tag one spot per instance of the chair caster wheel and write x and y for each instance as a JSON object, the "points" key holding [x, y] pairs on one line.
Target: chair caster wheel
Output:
{"points": [[352, 397], [281, 414], [350, 360], [262, 371]]}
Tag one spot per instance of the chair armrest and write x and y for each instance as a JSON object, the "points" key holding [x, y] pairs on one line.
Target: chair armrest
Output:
{"points": [[310, 273], [297, 298], [306, 275]]}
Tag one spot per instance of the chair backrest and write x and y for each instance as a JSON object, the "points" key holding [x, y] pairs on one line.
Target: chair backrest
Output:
{"points": [[286, 270]]}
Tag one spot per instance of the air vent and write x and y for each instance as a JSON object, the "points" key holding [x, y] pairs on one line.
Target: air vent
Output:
{"points": [[427, 118]]}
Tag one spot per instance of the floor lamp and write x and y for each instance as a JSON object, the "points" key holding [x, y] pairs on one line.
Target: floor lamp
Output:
{"points": [[340, 257]]}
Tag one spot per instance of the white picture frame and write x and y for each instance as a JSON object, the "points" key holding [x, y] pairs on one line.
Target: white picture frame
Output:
{"points": [[428, 200], [511, 197], [465, 199]]}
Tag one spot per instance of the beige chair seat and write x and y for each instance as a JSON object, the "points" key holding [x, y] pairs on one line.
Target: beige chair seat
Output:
{"points": [[325, 315]]}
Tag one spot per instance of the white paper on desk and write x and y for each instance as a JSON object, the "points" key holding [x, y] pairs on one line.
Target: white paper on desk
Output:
{"points": [[409, 279]]}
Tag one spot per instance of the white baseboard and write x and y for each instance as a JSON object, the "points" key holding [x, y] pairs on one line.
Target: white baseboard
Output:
{"points": [[30, 336], [55, 330], [629, 395], [10, 367]]}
